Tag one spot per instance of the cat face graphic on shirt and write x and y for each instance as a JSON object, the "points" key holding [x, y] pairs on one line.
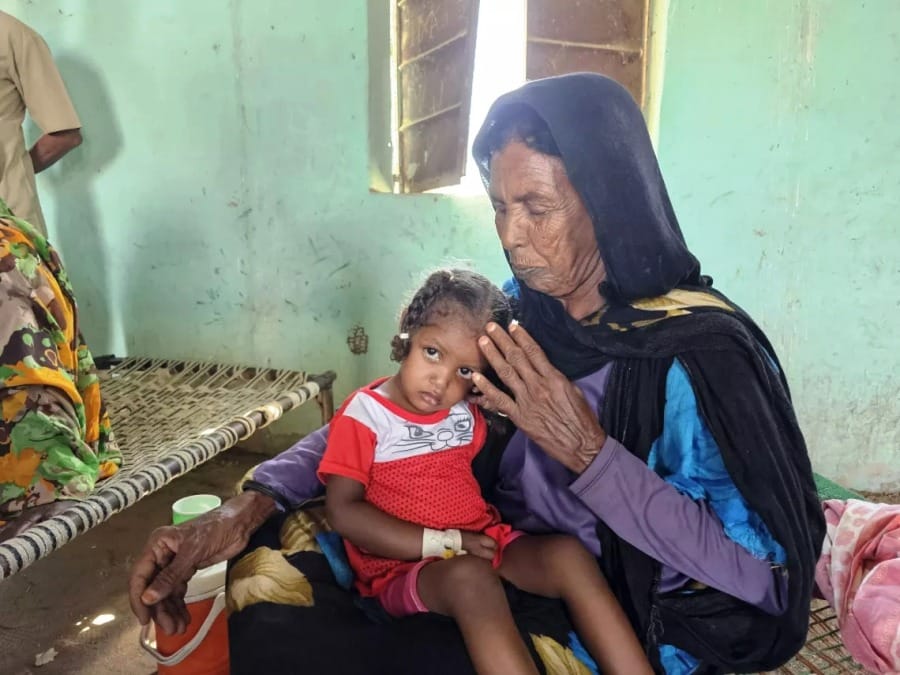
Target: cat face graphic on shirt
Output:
{"points": [[452, 432]]}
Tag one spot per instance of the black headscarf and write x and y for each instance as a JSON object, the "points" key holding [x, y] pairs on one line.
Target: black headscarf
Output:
{"points": [[600, 132], [659, 309]]}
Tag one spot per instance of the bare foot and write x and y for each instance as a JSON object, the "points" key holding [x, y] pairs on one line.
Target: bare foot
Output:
{"points": [[31, 516]]}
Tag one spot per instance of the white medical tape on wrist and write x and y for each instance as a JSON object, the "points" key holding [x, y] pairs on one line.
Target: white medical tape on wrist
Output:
{"points": [[440, 543]]}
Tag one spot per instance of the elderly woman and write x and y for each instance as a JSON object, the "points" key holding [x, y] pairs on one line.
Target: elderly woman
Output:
{"points": [[653, 422]]}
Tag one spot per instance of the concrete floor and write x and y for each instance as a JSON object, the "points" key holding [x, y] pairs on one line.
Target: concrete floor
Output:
{"points": [[52, 603]]}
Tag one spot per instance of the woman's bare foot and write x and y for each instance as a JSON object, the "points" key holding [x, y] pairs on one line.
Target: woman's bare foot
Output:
{"points": [[31, 516]]}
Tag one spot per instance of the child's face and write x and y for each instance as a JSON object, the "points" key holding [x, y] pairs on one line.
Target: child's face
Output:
{"points": [[437, 373]]}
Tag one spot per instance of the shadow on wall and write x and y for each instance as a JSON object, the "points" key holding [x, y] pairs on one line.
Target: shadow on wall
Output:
{"points": [[77, 226]]}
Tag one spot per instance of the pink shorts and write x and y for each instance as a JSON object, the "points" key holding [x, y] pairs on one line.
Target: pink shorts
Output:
{"points": [[400, 596]]}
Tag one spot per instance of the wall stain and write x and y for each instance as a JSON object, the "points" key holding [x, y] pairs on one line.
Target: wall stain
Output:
{"points": [[720, 197], [335, 271], [357, 340]]}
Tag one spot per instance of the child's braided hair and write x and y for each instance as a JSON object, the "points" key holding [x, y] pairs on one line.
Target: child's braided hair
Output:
{"points": [[446, 292]]}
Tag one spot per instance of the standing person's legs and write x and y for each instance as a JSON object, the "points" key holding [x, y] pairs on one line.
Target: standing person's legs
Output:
{"points": [[558, 566]]}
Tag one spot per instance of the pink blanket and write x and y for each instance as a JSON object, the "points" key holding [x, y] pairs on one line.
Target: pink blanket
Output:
{"points": [[859, 575]]}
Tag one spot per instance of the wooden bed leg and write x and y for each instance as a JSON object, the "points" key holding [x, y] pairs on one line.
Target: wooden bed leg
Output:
{"points": [[325, 399]]}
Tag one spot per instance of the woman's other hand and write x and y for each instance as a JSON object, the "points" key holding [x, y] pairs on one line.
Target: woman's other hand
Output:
{"points": [[548, 408], [159, 577]]}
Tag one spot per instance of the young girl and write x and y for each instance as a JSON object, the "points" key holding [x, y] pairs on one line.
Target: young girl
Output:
{"points": [[401, 492]]}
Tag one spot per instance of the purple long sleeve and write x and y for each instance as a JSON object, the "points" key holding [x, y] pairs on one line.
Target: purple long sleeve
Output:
{"points": [[538, 494], [292, 474], [683, 534]]}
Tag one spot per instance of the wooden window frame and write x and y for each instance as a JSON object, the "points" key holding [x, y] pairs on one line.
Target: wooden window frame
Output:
{"points": [[553, 45]]}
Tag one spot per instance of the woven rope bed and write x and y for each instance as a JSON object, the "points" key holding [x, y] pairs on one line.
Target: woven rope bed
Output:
{"points": [[169, 417], [824, 652]]}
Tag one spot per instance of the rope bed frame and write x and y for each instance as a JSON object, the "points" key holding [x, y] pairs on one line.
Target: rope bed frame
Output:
{"points": [[169, 417], [824, 652]]}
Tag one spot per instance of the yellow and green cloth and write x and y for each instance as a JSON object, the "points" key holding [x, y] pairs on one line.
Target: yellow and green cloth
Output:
{"points": [[55, 436]]}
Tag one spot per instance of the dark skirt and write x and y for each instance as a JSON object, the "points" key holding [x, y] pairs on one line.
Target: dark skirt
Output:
{"points": [[289, 614]]}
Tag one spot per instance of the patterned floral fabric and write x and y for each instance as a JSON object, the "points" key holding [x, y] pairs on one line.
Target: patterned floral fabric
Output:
{"points": [[859, 575], [55, 437]]}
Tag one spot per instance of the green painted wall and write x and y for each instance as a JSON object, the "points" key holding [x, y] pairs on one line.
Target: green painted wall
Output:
{"points": [[220, 207], [779, 140]]}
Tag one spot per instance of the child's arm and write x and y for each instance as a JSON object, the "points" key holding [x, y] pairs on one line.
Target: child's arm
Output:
{"points": [[367, 526], [373, 530]]}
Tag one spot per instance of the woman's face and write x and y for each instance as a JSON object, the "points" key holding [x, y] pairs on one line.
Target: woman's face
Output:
{"points": [[545, 228]]}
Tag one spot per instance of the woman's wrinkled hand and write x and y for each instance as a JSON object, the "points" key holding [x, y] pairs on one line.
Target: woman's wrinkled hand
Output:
{"points": [[544, 404], [159, 577]]}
